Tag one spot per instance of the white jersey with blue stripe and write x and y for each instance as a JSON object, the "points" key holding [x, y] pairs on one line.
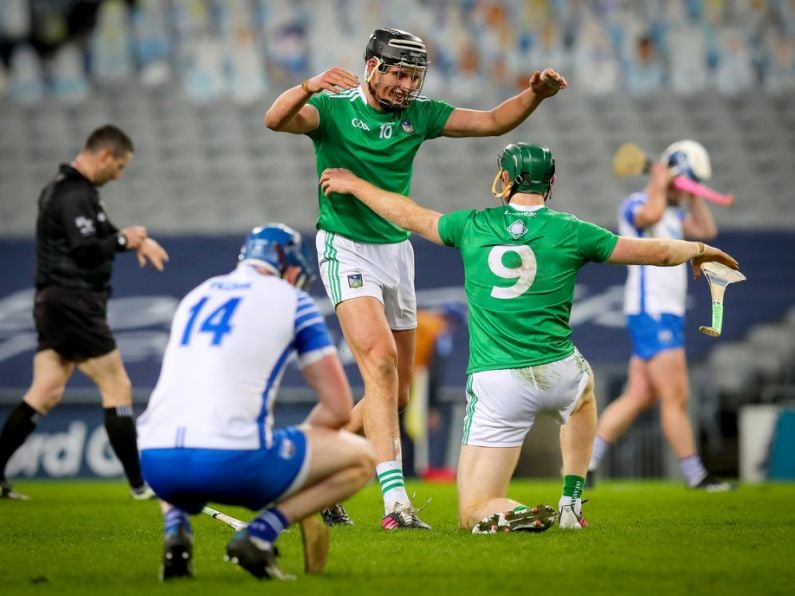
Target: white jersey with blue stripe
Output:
{"points": [[649, 289], [231, 338]]}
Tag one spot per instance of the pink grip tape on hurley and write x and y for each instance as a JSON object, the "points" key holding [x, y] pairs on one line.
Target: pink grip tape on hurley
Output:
{"points": [[687, 185]]}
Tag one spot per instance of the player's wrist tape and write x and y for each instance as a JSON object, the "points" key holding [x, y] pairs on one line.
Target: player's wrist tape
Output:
{"points": [[701, 249], [305, 87]]}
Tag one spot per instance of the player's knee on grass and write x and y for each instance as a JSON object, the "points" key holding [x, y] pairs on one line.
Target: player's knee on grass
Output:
{"points": [[467, 516], [469, 506], [464, 521]]}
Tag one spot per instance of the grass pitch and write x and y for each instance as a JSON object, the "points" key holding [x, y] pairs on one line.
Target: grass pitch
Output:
{"points": [[645, 538]]}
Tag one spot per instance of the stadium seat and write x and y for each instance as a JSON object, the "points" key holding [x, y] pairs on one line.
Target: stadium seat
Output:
{"points": [[25, 80], [732, 374], [773, 345]]}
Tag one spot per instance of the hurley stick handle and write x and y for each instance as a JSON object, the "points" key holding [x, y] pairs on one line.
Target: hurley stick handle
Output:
{"points": [[230, 521], [315, 539], [717, 321]]}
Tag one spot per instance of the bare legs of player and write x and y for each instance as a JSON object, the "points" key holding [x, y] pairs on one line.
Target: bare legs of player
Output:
{"points": [[341, 464], [483, 477], [385, 360], [577, 435], [664, 376]]}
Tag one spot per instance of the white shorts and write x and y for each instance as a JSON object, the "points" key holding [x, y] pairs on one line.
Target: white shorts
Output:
{"points": [[502, 404], [352, 269]]}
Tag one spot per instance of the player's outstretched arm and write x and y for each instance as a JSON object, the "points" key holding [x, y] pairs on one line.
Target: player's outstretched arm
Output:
{"points": [[667, 253], [398, 209], [289, 112], [510, 113]]}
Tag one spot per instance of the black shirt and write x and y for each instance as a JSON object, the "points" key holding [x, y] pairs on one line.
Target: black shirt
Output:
{"points": [[75, 241]]}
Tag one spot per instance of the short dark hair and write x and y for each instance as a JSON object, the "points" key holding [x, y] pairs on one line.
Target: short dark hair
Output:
{"points": [[110, 137]]}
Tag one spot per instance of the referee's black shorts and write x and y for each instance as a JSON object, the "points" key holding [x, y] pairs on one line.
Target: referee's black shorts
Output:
{"points": [[73, 322]]}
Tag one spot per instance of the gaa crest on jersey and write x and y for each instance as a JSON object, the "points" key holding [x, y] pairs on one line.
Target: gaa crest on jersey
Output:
{"points": [[406, 126], [517, 229], [355, 281]]}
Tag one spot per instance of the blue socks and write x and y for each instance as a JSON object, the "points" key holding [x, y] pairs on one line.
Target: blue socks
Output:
{"points": [[268, 525], [175, 520]]}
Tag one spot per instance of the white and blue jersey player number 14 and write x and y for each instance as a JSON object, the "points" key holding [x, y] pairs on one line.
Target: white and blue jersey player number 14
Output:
{"points": [[231, 340], [217, 322]]}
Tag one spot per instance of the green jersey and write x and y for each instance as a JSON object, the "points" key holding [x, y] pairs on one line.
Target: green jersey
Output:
{"points": [[520, 269], [377, 146]]}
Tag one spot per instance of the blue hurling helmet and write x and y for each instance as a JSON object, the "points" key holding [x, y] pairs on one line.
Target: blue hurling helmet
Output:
{"points": [[277, 246]]}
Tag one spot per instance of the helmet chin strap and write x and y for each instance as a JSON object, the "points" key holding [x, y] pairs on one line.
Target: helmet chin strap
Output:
{"points": [[301, 280], [369, 74], [507, 191], [504, 194]]}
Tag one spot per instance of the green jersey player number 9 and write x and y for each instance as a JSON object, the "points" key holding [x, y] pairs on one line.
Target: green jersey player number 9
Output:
{"points": [[524, 272]]}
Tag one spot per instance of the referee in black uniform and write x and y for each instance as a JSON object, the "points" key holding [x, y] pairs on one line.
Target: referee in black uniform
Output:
{"points": [[75, 247]]}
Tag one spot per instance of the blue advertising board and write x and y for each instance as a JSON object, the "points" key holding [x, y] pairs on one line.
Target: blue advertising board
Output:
{"points": [[71, 440]]}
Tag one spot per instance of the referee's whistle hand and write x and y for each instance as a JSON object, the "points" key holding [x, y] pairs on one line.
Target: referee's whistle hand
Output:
{"points": [[150, 251]]}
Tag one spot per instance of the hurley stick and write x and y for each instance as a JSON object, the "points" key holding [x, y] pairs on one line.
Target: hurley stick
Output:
{"points": [[718, 277], [230, 521], [631, 160], [314, 537]]}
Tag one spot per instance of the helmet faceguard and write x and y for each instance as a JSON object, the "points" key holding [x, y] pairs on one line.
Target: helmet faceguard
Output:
{"points": [[530, 169], [687, 158], [402, 61], [276, 247]]}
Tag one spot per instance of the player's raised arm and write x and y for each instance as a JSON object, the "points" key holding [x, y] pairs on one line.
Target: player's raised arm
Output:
{"points": [[510, 113], [398, 209], [290, 112], [652, 211]]}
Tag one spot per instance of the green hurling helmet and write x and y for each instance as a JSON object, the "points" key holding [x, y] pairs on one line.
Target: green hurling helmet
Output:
{"points": [[531, 168]]}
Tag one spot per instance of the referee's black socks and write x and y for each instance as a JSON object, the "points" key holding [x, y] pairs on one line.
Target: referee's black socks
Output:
{"points": [[20, 423], [120, 425]]}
